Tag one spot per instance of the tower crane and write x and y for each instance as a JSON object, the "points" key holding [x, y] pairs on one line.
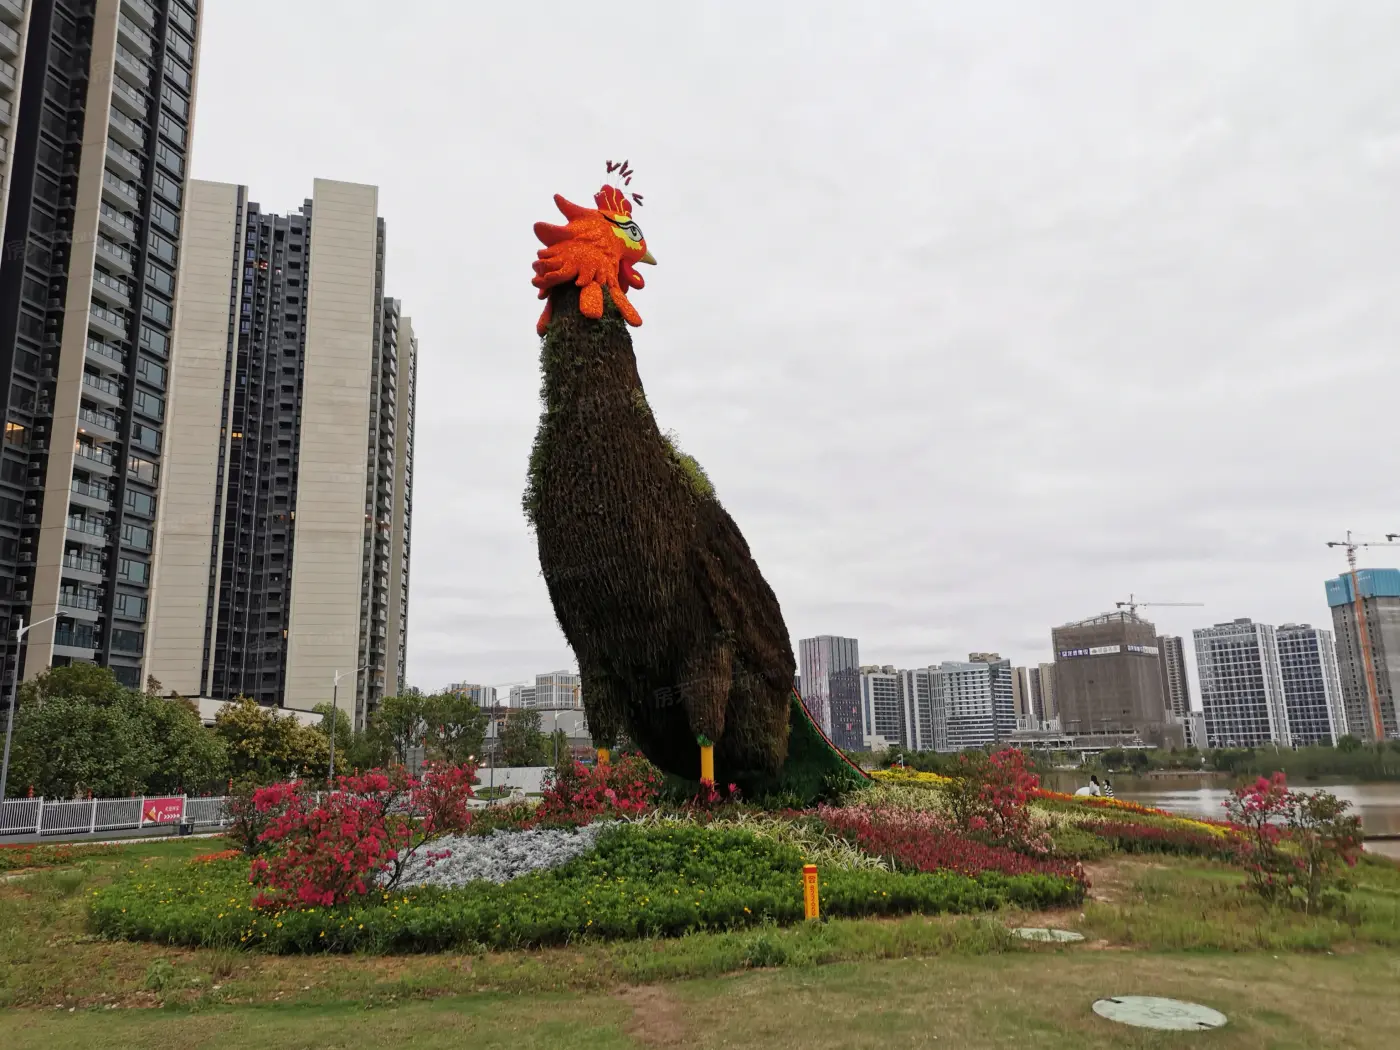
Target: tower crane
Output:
{"points": [[1368, 663], [1132, 604]]}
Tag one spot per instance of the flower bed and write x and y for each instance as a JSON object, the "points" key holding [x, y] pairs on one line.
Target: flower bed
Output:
{"points": [[921, 842], [16, 858], [1116, 809], [1146, 838], [638, 882], [1129, 807], [910, 776]]}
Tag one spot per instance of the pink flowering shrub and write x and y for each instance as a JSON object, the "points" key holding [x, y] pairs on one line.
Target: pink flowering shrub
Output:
{"points": [[1295, 842], [989, 799], [577, 794], [325, 851]]}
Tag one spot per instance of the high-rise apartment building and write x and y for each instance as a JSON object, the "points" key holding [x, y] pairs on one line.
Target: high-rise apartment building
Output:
{"points": [[96, 132], [964, 692], [481, 695], [1021, 701], [282, 560], [818, 660], [1380, 610], [1108, 679], [1043, 692], [1241, 686], [558, 689], [1312, 688], [521, 696], [14, 26], [926, 724], [883, 713], [1176, 687]]}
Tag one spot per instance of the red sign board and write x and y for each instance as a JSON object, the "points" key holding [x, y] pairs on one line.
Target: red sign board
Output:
{"points": [[163, 810]]}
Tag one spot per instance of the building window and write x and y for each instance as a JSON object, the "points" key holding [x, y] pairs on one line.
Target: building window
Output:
{"points": [[127, 642], [150, 372], [155, 341], [132, 571], [171, 158], [162, 248], [136, 537]]}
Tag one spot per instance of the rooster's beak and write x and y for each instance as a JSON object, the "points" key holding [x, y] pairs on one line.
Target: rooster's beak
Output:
{"points": [[648, 258]]}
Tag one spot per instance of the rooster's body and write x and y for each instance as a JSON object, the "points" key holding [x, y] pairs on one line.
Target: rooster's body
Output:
{"points": [[680, 641]]}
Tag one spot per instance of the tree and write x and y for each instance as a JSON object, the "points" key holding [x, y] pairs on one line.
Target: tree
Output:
{"points": [[1348, 744], [522, 742], [78, 730], [455, 727], [400, 719], [263, 745]]}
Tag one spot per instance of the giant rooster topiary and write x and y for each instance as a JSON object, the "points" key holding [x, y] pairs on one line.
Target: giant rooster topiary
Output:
{"points": [[680, 641]]}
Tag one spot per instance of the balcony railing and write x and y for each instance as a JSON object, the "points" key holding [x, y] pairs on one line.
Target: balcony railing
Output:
{"points": [[79, 600], [110, 353], [134, 64], [92, 491], [75, 639], [98, 419], [102, 386], [138, 35], [115, 250], [101, 313], [142, 10], [122, 155], [83, 563], [129, 95], [126, 189], [89, 528], [107, 281], [126, 222], [96, 455]]}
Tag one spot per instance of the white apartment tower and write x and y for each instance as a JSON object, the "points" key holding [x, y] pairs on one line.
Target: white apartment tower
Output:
{"points": [[558, 689], [1241, 684], [282, 560], [1312, 687]]}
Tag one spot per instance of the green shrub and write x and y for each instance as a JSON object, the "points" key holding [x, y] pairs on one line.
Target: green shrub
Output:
{"points": [[1077, 844], [639, 882]]}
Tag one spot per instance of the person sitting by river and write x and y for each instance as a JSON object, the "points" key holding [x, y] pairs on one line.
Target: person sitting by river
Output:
{"points": [[1107, 788], [1092, 789]]}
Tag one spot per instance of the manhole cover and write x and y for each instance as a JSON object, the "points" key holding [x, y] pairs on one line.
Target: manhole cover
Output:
{"points": [[1170, 1015], [1040, 933]]}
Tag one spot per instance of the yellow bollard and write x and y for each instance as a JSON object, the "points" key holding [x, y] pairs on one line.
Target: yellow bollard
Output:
{"points": [[707, 763], [603, 756], [810, 895]]}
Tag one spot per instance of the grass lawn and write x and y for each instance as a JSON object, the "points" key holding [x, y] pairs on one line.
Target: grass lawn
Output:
{"points": [[1032, 999], [1159, 926]]}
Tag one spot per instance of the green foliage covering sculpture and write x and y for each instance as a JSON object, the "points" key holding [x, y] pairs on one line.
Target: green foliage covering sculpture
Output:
{"points": [[680, 641]]}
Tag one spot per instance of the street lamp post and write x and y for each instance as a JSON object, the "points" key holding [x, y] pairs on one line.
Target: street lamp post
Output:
{"points": [[20, 632], [555, 735], [335, 692]]}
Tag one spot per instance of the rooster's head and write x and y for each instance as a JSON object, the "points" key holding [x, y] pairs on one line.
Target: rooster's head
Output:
{"points": [[598, 249]]}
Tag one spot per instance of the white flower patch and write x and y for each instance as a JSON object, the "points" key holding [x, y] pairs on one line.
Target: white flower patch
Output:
{"points": [[497, 857]]}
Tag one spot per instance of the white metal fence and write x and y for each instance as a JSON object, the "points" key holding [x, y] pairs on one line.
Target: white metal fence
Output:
{"points": [[39, 816]]}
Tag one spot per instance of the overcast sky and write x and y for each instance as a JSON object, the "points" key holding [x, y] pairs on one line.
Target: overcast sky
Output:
{"points": [[979, 316]]}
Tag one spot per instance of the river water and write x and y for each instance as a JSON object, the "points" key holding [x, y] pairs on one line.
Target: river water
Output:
{"points": [[1378, 805]]}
